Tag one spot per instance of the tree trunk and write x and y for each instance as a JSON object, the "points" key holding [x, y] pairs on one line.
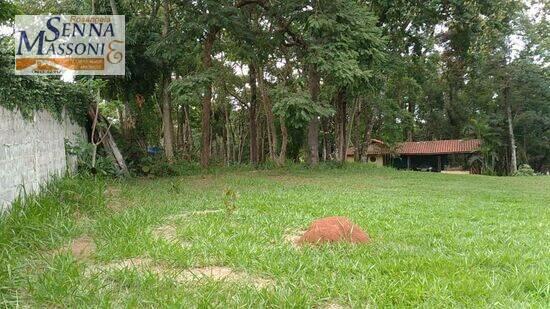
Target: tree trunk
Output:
{"points": [[313, 127], [121, 118], [106, 139], [232, 137], [513, 155], [451, 105], [252, 115], [341, 119], [272, 135], [410, 129], [127, 120], [113, 7], [167, 123], [368, 131], [356, 138], [187, 134], [207, 98], [261, 141], [180, 123], [284, 141], [183, 132], [326, 144], [236, 140], [226, 135], [241, 144], [349, 126]]}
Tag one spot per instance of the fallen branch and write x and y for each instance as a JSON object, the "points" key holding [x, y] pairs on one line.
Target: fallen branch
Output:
{"points": [[106, 139]]}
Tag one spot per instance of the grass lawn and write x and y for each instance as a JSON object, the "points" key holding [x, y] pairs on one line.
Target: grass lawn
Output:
{"points": [[438, 241]]}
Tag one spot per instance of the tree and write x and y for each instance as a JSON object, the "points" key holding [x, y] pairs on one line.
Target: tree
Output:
{"points": [[256, 80], [345, 46], [167, 123]]}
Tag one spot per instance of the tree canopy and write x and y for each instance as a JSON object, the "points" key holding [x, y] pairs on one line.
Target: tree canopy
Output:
{"points": [[255, 81]]}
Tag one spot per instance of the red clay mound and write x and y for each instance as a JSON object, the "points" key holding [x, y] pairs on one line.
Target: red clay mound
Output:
{"points": [[333, 229]]}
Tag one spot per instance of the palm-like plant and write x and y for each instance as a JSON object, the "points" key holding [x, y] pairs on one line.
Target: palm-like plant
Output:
{"points": [[488, 155]]}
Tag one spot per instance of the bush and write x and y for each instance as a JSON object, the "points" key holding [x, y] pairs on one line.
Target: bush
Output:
{"points": [[155, 166], [525, 170], [104, 165]]}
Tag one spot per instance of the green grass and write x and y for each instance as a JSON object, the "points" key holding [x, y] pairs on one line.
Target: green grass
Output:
{"points": [[438, 240]]}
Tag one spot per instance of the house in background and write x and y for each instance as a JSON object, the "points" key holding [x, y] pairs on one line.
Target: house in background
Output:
{"points": [[378, 153], [436, 156]]}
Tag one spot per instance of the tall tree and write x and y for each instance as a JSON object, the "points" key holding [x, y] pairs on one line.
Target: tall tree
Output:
{"points": [[314, 86], [208, 44], [167, 123], [253, 128]]}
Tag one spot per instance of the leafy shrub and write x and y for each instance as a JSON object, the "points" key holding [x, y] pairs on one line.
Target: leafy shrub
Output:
{"points": [[104, 165], [155, 166], [525, 170]]}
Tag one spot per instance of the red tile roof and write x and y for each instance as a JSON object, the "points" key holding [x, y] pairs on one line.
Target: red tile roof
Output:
{"points": [[378, 147], [438, 147]]}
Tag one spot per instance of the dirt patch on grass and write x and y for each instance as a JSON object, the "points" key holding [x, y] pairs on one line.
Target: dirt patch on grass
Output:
{"points": [[115, 205], [133, 263], [189, 214], [206, 212], [219, 273], [81, 248], [198, 274], [333, 306], [293, 236], [168, 233], [111, 191], [114, 202]]}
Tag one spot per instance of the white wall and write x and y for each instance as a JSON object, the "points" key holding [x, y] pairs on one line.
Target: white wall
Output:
{"points": [[32, 151], [379, 160]]}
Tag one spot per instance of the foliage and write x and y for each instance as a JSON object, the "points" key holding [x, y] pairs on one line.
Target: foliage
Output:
{"points": [[297, 108], [344, 42], [151, 166], [8, 11], [525, 170], [410, 70], [30, 93], [104, 165]]}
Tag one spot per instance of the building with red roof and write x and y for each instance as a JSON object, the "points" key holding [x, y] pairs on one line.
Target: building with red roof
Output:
{"points": [[440, 155]]}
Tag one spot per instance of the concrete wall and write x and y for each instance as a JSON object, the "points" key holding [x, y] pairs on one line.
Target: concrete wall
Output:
{"points": [[378, 160], [32, 151]]}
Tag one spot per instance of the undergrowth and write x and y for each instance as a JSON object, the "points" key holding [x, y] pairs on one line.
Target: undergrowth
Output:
{"points": [[37, 223]]}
